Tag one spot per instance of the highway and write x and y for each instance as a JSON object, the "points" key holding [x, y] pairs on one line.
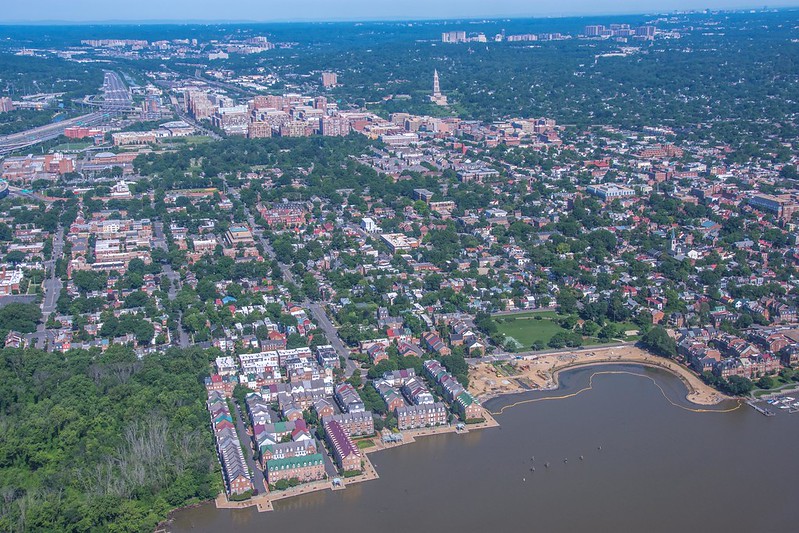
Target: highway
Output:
{"points": [[115, 99]]}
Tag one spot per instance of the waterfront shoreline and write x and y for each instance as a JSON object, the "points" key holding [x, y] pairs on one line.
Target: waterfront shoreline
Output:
{"points": [[264, 502], [541, 373]]}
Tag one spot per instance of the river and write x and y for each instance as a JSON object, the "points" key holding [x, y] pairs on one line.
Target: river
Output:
{"points": [[660, 468]]}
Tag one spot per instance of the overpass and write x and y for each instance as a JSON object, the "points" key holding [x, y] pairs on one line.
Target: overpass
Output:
{"points": [[116, 99]]}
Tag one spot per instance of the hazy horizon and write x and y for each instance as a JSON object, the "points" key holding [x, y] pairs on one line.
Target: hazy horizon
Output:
{"points": [[252, 11]]}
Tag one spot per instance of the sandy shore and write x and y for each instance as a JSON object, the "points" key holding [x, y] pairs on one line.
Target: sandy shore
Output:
{"points": [[541, 373]]}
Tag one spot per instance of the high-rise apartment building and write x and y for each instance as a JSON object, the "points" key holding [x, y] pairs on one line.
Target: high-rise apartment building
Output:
{"points": [[6, 104], [329, 79]]}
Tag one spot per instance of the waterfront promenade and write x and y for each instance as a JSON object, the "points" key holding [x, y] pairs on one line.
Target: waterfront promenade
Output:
{"points": [[264, 502]]}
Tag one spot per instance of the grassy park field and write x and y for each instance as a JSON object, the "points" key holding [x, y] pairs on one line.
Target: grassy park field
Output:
{"points": [[527, 328], [530, 327]]}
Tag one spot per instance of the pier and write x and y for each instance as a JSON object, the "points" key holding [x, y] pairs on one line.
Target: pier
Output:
{"points": [[761, 410]]}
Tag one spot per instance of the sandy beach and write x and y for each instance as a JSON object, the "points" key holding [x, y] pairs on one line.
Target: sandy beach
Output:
{"points": [[541, 372]]}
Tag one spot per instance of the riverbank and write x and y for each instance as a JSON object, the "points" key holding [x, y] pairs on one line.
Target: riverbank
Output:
{"points": [[541, 373], [625, 415], [264, 502]]}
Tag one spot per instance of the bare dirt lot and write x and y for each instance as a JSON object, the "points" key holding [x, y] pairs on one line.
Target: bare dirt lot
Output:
{"points": [[541, 372]]}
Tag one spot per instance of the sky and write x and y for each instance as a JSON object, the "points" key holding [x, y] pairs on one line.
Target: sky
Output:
{"points": [[321, 10]]}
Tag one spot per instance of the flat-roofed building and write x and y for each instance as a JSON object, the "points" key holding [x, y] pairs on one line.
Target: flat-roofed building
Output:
{"points": [[610, 191]]}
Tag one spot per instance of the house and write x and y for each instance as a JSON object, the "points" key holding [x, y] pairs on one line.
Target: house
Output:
{"points": [[407, 349], [282, 450], [348, 399], [345, 452], [258, 409], [397, 378], [433, 342], [231, 457], [302, 468], [391, 396], [277, 431], [467, 407], [323, 408], [417, 392], [418, 416], [354, 424], [223, 384], [291, 412]]}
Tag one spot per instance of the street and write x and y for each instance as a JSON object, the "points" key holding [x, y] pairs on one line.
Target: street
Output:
{"points": [[258, 480], [159, 241], [52, 290], [317, 310]]}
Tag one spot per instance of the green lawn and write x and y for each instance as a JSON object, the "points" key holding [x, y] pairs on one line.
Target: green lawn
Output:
{"points": [[72, 147], [189, 139], [365, 443], [526, 329]]}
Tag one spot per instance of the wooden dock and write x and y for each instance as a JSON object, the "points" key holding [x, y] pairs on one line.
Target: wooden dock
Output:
{"points": [[761, 410]]}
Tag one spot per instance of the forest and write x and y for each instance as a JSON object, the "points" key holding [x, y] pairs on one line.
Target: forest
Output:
{"points": [[102, 441]]}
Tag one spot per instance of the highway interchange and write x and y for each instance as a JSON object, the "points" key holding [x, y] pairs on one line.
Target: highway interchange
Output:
{"points": [[115, 99]]}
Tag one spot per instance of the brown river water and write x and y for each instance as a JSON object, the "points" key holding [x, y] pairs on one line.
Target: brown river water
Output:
{"points": [[647, 466]]}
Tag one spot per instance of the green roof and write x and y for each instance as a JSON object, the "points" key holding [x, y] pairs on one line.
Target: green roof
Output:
{"points": [[466, 399], [294, 462]]}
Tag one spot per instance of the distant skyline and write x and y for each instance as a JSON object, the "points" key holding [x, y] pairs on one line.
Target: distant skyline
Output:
{"points": [[143, 11]]}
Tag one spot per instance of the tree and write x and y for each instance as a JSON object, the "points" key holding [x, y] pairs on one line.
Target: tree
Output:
{"points": [[16, 257], [144, 420], [20, 317], [658, 341], [610, 331], [88, 281], [206, 290], [567, 301], [765, 382], [738, 385]]}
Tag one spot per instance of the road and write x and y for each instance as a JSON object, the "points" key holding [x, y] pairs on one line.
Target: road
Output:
{"points": [[116, 99], [505, 356], [23, 139], [331, 332], [52, 290], [159, 241], [52, 285], [317, 310], [258, 480]]}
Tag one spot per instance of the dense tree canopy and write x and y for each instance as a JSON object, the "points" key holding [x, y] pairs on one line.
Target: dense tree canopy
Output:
{"points": [[95, 442]]}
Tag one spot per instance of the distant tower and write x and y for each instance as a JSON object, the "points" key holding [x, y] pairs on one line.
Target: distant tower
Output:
{"points": [[437, 97], [673, 240]]}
